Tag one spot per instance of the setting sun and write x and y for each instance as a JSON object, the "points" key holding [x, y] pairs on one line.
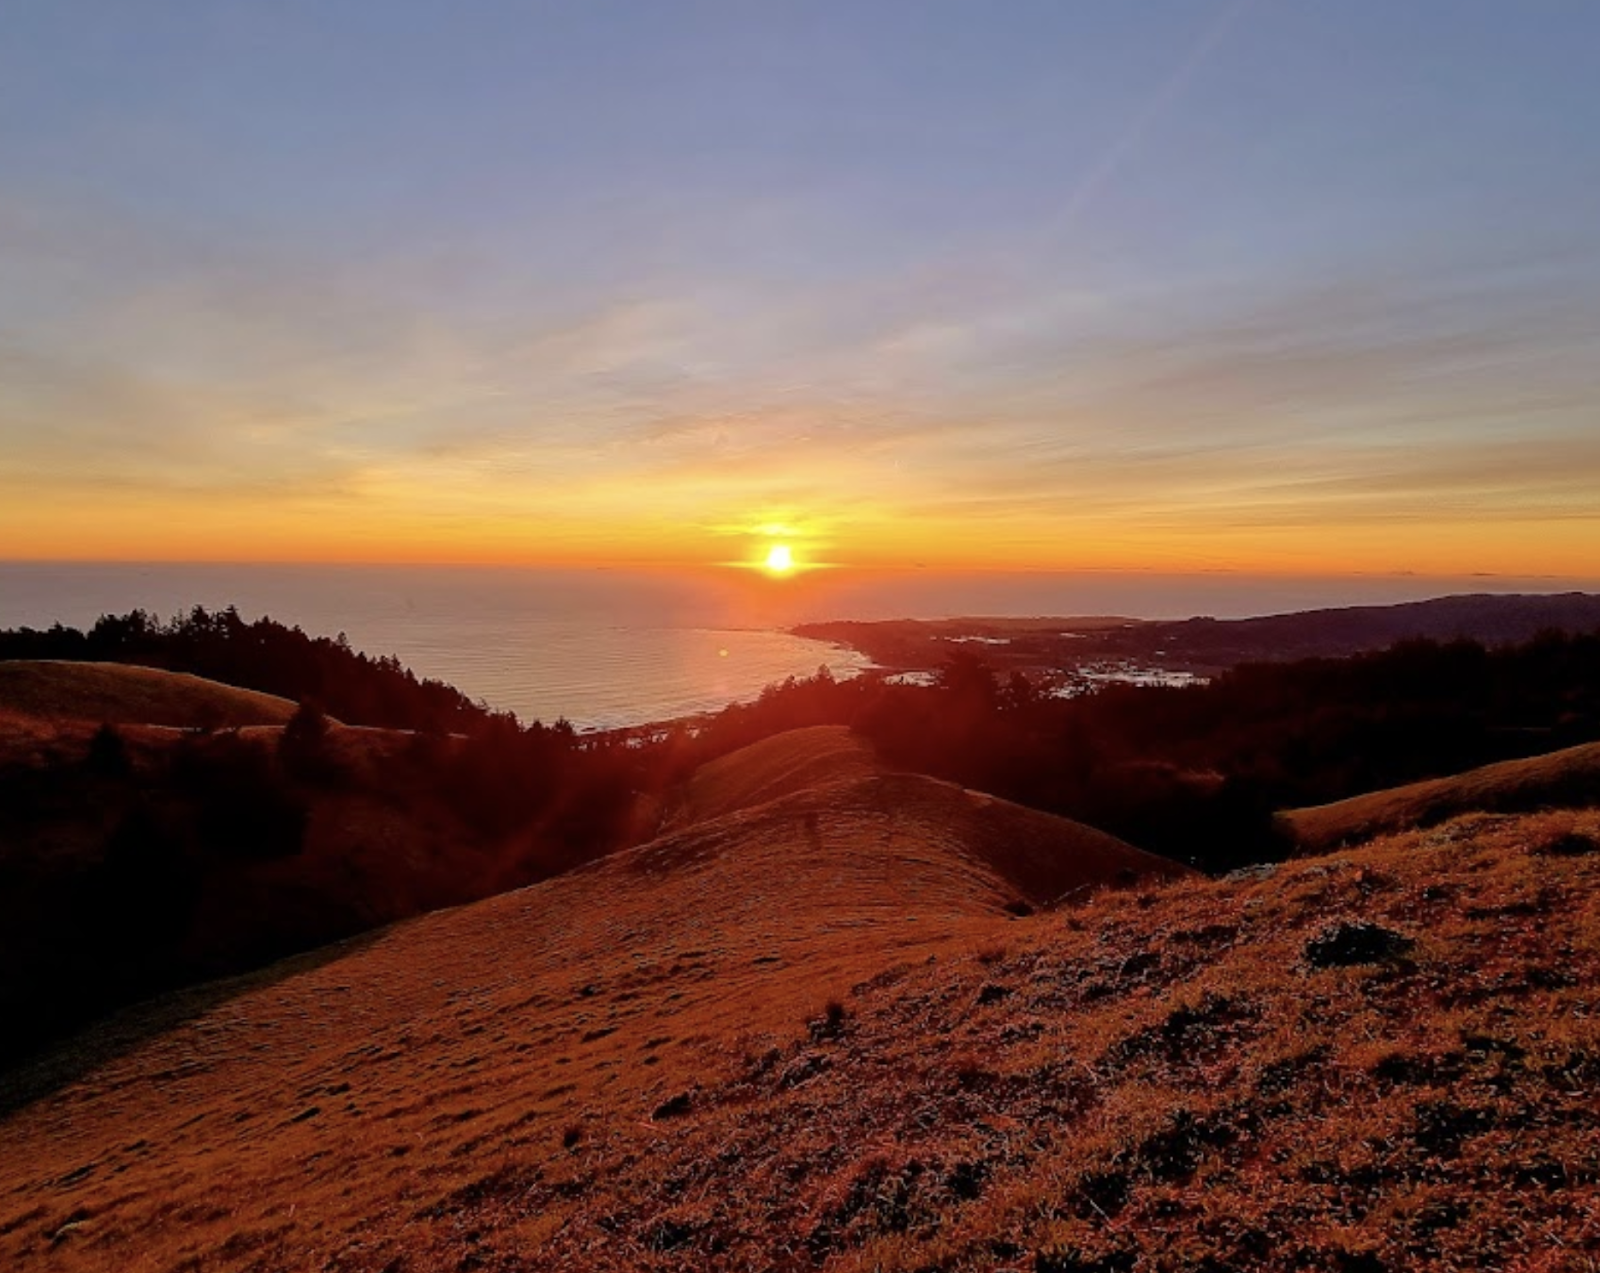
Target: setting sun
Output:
{"points": [[780, 561]]}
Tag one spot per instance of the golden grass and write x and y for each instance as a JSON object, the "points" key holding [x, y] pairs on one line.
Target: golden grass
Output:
{"points": [[123, 694], [1559, 778], [604, 1000], [799, 760], [805, 1036]]}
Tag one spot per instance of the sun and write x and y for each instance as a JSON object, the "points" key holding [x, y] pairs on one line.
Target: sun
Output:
{"points": [[780, 561]]}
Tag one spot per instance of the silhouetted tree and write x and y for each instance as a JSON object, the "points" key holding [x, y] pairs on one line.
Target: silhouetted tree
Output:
{"points": [[303, 744], [108, 753]]}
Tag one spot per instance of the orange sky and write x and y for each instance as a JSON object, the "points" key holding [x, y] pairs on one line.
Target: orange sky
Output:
{"points": [[197, 527], [1079, 287]]}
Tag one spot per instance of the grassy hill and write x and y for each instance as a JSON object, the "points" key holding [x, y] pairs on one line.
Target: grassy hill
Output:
{"points": [[793, 761], [1561, 778], [145, 856], [123, 694], [806, 1034]]}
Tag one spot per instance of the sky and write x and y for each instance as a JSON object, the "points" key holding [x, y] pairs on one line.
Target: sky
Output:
{"points": [[1182, 285]]}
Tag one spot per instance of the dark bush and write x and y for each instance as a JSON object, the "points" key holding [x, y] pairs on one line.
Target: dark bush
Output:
{"points": [[108, 753], [1346, 945], [303, 744]]}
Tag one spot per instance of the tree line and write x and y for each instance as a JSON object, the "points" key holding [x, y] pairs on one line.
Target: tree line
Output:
{"points": [[1193, 772], [1196, 772], [263, 655]]}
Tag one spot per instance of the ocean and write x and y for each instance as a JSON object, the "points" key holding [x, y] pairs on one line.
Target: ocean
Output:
{"points": [[605, 648]]}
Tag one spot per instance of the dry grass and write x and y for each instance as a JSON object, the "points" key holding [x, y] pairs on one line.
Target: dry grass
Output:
{"points": [[748, 1047], [783, 765], [1569, 776], [124, 694]]}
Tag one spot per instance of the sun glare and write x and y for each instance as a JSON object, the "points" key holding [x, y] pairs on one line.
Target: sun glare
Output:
{"points": [[780, 561]]}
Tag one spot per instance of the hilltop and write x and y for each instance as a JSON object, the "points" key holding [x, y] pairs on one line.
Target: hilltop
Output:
{"points": [[228, 829], [809, 1034], [124, 694], [782, 765]]}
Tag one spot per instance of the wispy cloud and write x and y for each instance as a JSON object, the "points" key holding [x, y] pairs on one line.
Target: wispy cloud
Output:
{"points": [[996, 401]]}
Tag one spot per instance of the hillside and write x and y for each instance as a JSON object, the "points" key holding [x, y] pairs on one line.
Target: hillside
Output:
{"points": [[146, 856], [262, 655], [807, 1035], [793, 761], [124, 694], [1561, 778]]}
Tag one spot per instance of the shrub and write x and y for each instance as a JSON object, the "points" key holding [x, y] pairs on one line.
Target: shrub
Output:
{"points": [[108, 753], [303, 744]]}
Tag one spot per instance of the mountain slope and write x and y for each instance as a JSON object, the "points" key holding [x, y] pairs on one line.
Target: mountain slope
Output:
{"points": [[1561, 778], [610, 980], [805, 1036], [124, 694]]}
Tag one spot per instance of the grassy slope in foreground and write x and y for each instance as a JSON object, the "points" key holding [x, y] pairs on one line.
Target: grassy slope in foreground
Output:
{"points": [[1566, 777], [635, 1066], [123, 694]]}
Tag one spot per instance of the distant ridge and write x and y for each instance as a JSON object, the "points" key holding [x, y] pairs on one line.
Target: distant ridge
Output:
{"points": [[1492, 619], [1203, 642]]}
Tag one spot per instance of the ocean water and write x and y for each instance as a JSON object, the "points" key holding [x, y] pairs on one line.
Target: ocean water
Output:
{"points": [[596, 648], [604, 648]]}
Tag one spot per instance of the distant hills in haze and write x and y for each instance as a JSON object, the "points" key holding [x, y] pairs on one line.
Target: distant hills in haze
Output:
{"points": [[1207, 643], [1482, 617]]}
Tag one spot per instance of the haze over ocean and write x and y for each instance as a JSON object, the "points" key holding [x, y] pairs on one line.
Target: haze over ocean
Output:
{"points": [[614, 647]]}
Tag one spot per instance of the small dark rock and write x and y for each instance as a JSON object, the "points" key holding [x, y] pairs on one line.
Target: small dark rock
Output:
{"points": [[1419, 1069], [668, 1235], [675, 1106], [1573, 844], [1346, 945], [1442, 1126], [993, 992], [966, 1179], [1137, 965]]}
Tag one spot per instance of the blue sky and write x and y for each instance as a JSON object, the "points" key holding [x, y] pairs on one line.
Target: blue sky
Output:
{"points": [[1187, 283]]}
